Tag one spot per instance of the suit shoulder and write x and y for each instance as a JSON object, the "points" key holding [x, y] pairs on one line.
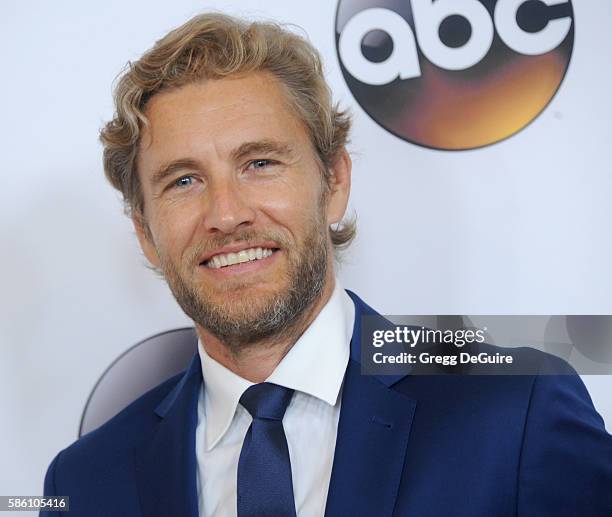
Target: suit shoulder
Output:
{"points": [[497, 388], [121, 433]]}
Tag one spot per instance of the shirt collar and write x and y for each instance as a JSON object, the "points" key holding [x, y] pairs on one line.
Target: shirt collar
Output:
{"points": [[323, 348]]}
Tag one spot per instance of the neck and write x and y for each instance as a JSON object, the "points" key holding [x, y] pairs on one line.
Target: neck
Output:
{"points": [[257, 362]]}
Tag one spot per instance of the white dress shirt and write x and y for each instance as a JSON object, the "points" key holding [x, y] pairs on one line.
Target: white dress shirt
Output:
{"points": [[314, 368]]}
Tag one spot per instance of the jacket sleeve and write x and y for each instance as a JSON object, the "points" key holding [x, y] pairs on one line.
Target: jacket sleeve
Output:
{"points": [[50, 489], [566, 458]]}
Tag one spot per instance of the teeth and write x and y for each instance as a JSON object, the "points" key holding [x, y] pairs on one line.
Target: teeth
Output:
{"points": [[229, 259]]}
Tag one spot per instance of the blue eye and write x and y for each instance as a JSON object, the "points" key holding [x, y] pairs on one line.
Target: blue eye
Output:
{"points": [[259, 164], [185, 181]]}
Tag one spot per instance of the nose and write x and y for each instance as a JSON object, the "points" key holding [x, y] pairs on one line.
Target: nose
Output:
{"points": [[228, 208]]}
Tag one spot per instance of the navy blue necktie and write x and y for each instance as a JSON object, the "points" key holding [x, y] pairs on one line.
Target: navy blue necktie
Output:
{"points": [[265, 488]]}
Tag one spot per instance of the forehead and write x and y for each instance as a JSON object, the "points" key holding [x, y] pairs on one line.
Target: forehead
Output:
{"points": [[216, 116]]}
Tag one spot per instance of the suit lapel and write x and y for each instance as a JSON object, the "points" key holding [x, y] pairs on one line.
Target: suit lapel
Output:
{"points": [[372, 438], [165, 463]]}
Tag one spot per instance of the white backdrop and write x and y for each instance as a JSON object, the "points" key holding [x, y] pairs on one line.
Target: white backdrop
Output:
{"points": [[521, 227]]}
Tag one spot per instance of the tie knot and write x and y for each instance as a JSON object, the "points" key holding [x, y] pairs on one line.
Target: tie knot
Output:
{"points": [[266, 400]]}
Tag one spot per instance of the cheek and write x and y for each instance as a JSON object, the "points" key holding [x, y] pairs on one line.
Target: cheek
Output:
{"points": [[175, 227], [296, 214], [294, 201]]}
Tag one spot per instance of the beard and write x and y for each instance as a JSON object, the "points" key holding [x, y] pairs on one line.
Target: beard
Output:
{"points": [[239, 320]]}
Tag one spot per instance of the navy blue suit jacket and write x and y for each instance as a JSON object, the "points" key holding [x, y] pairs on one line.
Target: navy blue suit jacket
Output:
{"points": [[414, 445]]}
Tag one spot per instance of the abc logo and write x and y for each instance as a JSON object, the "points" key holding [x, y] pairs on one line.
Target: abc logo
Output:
{"points": [[454, 74]]}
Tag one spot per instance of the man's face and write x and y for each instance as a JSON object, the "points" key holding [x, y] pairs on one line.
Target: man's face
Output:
{"points": [[229, 175]]}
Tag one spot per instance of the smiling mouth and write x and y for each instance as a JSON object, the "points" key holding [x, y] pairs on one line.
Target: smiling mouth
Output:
{"points": [[247, 255]]}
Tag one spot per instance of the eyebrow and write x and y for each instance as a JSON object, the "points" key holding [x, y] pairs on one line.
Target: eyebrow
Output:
{"points": [[262, 146], [170, 168], [248, 148]]}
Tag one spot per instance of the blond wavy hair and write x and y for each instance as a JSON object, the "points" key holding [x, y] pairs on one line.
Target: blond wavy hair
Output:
{"points": [[214, 46]]}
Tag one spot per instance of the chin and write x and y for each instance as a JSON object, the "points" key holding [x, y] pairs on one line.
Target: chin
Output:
{"points": [[247, 294]]}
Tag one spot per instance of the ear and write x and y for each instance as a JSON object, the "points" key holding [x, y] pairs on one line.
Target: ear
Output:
{"points": [[340, 187], [145, 239]]}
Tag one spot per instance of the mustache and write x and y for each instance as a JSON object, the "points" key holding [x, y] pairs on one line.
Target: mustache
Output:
{"points": [[245, 237]]}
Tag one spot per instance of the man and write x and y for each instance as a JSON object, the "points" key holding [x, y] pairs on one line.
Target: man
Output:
{"points": [[232, 161]]}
